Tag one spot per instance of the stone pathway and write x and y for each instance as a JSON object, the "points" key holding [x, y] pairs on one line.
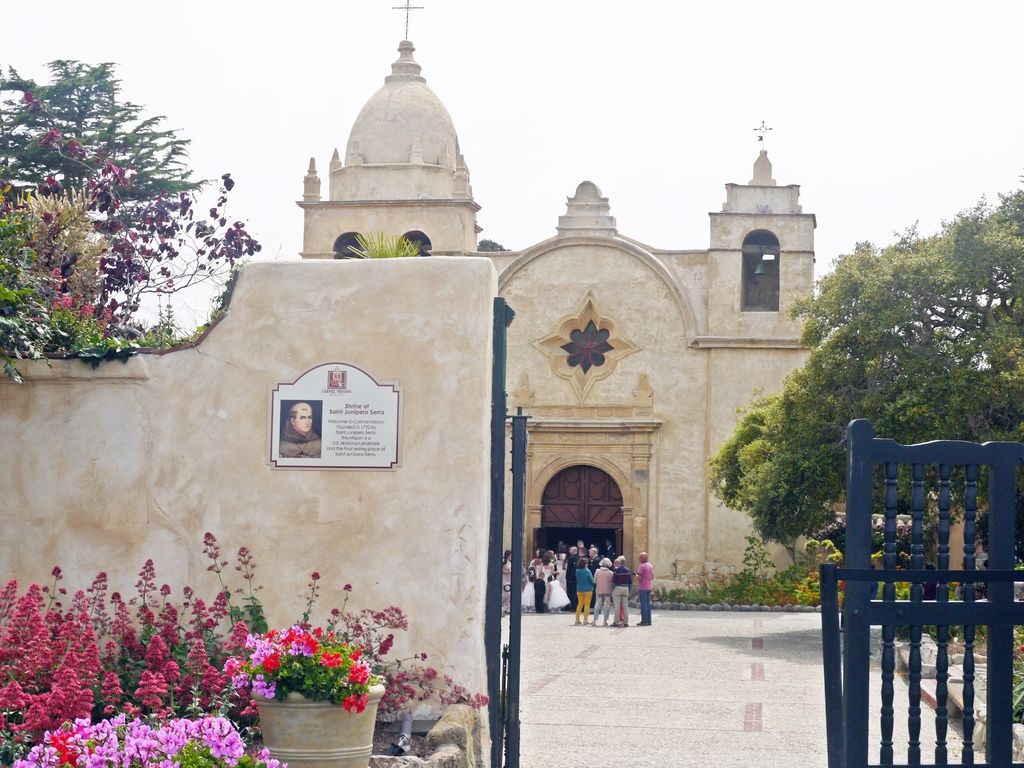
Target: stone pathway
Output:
{"points": [[696, 689]]}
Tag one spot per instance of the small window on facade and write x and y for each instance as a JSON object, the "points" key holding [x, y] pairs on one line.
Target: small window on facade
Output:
{"points": [[344, 244], [760, 272], [415, 236]]}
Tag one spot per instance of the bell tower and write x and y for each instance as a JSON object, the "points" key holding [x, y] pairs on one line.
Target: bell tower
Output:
{"points": [[761, 258]]}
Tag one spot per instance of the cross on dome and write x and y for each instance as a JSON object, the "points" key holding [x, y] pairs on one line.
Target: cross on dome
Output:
{"points": [[408, 8]]}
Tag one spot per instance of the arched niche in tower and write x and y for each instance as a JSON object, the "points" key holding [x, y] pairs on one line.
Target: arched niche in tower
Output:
{"points": [[344, 244], [760, 272], [421, 240]]}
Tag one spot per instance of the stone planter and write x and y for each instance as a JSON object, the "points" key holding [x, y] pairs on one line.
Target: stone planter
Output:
{"points": [[318, 734]]}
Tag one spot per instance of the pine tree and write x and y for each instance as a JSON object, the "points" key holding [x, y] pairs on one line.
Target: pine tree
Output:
{"points": [[66, 129]]}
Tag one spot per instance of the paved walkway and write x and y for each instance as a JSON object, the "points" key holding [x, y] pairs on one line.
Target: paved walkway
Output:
{"points": [[696, 689]]}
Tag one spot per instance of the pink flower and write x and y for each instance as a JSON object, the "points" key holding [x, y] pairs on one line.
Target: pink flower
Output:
{"points": [[152, 689]]}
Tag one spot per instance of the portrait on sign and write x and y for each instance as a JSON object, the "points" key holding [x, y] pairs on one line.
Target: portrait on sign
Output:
{"points": [[301, 428]]}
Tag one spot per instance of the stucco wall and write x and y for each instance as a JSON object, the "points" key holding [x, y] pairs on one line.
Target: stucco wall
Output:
{"points": [[738, 376], [103, 469]]}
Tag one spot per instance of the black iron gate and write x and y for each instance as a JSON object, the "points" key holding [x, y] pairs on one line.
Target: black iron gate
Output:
{"points": [[933, 478], [503, 661]]}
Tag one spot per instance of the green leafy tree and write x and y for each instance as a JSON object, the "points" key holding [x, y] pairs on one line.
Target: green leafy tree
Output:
{"points": [[924, 337], [486, 245], [77, 122]]}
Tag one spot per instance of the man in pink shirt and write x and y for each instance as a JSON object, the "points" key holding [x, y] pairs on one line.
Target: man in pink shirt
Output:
{"points": [[645, 583]]}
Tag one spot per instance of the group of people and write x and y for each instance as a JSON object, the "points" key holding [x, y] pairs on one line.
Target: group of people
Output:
{"points": [[582, 580]]}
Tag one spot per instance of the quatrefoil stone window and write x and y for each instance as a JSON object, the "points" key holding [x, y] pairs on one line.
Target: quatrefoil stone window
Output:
{"points": [[584, 348]]}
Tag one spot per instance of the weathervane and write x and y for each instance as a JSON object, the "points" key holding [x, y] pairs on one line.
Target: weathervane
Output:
{"points": [[761, 130], [407, 8]]}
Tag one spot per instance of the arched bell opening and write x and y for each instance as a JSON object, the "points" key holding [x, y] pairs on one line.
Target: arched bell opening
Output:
{"points": [[420, 240], [344, 244], [760, 272]]}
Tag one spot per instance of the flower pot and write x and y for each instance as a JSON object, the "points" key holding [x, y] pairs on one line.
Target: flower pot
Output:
{"points": [[318, 734]]}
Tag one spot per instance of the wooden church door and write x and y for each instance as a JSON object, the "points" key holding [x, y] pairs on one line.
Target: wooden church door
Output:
{"points": [[583, 497]]}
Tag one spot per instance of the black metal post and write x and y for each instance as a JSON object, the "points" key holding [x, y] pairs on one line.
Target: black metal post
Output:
{"points": [[515, 619], [1002, 511], [492, 610], [832, 656], [499, 737], [856, 629]]}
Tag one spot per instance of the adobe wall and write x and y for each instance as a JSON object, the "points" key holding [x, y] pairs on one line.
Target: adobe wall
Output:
{"points": [[102, 469]]}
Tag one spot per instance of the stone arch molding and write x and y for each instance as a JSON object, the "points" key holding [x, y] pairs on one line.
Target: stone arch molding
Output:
{"points": [[545, 474], [640, 254]]}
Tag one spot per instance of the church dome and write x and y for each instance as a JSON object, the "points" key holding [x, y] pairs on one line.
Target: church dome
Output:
{"points": [[403, 122]]}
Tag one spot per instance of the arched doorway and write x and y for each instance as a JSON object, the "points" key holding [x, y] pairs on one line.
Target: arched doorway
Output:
{"points": [[580, 502]]}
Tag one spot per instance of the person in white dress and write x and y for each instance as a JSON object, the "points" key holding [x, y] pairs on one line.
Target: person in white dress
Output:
{"points": [[557, 598], [527, 597]]}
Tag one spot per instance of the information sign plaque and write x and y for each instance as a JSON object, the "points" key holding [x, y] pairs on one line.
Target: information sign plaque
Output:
{"points": [[335, 416]]}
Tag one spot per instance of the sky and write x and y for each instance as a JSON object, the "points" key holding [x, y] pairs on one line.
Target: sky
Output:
{"points": [[887, 114]]}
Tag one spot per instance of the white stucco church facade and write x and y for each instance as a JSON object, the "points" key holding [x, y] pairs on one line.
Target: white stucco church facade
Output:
{"points": [[630, 360]]}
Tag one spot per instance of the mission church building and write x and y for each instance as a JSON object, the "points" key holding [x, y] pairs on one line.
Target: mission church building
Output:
{"points": [[630, 360]]}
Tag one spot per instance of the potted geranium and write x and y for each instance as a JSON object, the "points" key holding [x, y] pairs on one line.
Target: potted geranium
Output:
{"points": [[316, 695]]}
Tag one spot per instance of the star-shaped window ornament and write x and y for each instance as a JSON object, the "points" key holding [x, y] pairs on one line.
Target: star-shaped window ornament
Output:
{"points": [[585, 347]]}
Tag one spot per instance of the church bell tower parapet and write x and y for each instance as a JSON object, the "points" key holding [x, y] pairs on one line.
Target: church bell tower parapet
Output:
{"points": [[761, 258]]}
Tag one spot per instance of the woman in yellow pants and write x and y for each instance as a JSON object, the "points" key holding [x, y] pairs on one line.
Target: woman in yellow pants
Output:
{"points": [[584, 589]]}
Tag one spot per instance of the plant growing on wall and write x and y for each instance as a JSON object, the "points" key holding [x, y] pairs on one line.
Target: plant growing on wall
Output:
{"points": [[381, 246], [97, 211]]}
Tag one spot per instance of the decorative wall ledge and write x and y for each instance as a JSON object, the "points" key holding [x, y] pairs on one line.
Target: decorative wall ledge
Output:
{"points": [[70, 369], [743, 342]]}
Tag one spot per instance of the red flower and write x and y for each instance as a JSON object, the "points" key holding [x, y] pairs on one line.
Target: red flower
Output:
{"points": [[68, 752], [359, 674], [354, 703], [329, 659], [272, 662]]}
